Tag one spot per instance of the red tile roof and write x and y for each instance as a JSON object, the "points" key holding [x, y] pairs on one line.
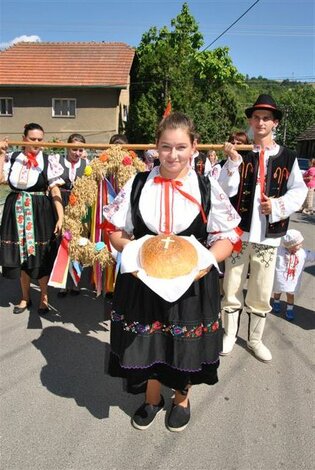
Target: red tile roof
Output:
{"points": [[66, 64]]}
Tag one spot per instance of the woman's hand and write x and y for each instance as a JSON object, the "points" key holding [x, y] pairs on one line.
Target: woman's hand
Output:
{"points": [[202, 273], [119, 239], [3, 146], [58, 227]]}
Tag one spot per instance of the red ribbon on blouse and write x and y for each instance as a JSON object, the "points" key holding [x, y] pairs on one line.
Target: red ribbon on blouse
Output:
{"points": [[175, 185], [31, 160]]}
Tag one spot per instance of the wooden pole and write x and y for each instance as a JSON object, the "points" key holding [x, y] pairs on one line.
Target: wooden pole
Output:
{"points": [[106, 146]]}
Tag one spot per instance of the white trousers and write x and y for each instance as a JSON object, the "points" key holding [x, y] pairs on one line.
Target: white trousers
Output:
{"points": [[262, 260]]}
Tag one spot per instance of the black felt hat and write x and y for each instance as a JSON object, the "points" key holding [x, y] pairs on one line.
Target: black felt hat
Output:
{"points": [[265, 102]]}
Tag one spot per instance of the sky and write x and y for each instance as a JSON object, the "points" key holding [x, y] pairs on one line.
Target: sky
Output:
{"points": [[275, 39]]}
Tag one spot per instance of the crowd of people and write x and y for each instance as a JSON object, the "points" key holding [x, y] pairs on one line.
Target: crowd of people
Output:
{"points": [[239, 211]]}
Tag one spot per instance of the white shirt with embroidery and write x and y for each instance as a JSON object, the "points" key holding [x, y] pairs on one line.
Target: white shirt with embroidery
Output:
{"points": [[215, 171], [22, 177], [289, 269], [221, 222], [282, 207], [56, 170]]}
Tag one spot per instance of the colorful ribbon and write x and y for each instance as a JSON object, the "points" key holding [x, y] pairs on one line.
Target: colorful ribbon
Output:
{"points": [[59, 273]]}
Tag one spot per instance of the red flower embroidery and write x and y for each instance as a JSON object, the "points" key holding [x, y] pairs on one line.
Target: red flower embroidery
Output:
{"points": [[215, 326], [198, 331], [156, 326], [31, 250], [27, 202], [20, 219], [29, 226]]}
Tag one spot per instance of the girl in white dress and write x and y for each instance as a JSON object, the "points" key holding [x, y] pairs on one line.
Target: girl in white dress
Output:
{"points": [[154, 341]]}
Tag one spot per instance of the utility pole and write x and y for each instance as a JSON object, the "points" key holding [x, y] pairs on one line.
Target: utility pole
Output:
{"points": [[286, 115]]}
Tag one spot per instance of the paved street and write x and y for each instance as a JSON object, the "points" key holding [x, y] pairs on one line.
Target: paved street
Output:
{"points": [[59, 411]]}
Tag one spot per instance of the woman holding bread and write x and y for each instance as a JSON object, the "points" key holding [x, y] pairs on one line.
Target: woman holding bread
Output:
{"points": [[156, 341]]}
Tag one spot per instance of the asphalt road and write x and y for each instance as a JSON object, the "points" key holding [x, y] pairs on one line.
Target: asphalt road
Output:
{"points": [[59, 411]]}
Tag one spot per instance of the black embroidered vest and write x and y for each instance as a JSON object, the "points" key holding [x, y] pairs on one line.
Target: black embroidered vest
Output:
{"points": [[200, 163], [277, 175], [197, 228]]}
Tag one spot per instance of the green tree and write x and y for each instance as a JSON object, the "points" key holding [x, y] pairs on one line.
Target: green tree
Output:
{"points": [[169, 64], [298, 103]]}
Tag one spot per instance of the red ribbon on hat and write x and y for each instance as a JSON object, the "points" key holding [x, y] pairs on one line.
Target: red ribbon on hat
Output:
{"points": [[175, 185], [31, 160]]}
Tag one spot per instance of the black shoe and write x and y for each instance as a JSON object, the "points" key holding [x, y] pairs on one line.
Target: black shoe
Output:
{"points": [[43, 311], [144, 416], [62, 293], [75, 291], [18, 309], [178, 418]]}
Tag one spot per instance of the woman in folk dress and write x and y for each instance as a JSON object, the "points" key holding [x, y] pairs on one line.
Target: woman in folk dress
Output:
{"points": [[29, 226], [66, 170], [154, 341]]}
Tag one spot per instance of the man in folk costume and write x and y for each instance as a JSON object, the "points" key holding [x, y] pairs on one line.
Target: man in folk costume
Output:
{"points": [[199, 161], [265, 187]]}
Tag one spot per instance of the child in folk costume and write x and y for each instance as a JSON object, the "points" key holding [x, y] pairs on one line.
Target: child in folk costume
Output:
{"points": [[154, 341], [66, 169], [291, 260], [265, 187], [215, 169], [29, 223]]}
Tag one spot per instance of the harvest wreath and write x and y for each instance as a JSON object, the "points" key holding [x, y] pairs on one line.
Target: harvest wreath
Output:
{"points": [[115, 163]]}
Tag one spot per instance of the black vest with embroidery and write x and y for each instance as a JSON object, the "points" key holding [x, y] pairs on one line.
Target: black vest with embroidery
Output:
{"points": [[200, 163], [277, 175], [197, 228]]}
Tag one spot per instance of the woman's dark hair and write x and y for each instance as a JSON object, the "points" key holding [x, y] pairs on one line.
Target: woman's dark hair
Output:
{"points": [[30, 127], [177, 120], [118, 139], [76, 138]]}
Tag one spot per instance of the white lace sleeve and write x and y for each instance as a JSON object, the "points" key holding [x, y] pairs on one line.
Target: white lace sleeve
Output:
{"points": [[229, 177], [55, 170], [118, 212], [223, 218]]}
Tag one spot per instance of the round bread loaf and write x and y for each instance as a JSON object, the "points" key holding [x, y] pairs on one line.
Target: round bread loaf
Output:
{"points": [[168, 256]]}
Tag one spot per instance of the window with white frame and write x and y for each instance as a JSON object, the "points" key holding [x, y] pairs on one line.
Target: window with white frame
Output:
{"points": [[63, 107], [6, 106]]}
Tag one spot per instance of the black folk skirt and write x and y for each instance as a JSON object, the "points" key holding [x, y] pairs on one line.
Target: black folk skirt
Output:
{"points": [[177, 343], [40, 264]]}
